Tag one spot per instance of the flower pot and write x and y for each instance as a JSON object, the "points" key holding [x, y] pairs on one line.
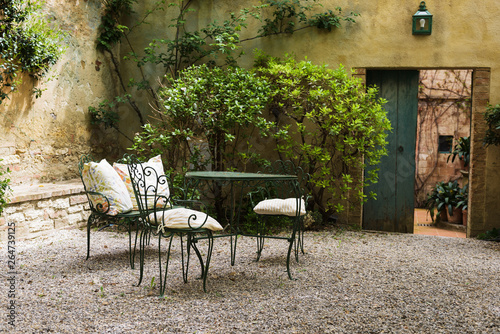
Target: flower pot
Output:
{"points": [[456, 218], [464, 217], [443, 216]]}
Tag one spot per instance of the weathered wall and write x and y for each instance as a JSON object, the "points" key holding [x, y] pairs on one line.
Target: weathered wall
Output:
{"points": [[464, 36], [41, 139]]}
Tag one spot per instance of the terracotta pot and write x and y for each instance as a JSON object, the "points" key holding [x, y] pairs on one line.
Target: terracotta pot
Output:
{"points": [[464, 217], [456, 218], [443, 216]]}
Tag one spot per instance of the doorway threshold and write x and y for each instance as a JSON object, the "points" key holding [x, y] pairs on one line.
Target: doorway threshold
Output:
{"points": [[423, 225]]}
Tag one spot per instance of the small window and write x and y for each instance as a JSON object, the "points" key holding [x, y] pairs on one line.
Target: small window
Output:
{"points": [[445, 144]]}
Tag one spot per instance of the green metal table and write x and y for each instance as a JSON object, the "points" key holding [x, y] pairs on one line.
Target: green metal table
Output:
{"points": [[237, 183]]}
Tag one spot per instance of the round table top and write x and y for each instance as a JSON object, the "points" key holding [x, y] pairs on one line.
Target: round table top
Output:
{"points": [[218, 175]]}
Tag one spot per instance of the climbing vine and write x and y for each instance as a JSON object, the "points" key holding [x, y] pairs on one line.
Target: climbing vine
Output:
{"points": [[218, 42], [28, 44]]}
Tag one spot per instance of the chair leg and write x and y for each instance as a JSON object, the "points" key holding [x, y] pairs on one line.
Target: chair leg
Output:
{"points": [[90, 221], [301, 235], [185, 267], [209, 257], [142, 245], [163, 281], [260, 238], [290, 246], [132, 251], [193, 243], [260, 246], [233, 248]]}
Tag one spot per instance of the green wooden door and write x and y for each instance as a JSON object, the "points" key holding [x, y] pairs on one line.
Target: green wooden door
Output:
{"points": [[394, 208]]}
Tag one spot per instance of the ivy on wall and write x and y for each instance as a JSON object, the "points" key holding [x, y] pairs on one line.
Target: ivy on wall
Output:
{"points": [[28, 44]]}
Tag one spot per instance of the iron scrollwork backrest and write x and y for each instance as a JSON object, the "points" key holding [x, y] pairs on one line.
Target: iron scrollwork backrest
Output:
{"points": [[286, 189], [150, 190], [101, 208]]}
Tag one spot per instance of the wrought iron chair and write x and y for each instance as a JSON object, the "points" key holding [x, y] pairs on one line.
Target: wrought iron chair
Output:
{"points": [[100, 212], [163, 213], [283, 199]]}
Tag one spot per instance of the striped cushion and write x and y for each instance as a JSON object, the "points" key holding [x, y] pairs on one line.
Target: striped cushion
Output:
{"points": [[278, 206], [178, 219]]}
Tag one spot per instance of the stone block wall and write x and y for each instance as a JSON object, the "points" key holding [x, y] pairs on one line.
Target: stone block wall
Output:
{"points": [[40, 209]]}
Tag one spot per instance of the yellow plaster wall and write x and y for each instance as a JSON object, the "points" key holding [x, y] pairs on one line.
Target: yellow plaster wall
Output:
{"points": [[41, 139], [465, 35]]}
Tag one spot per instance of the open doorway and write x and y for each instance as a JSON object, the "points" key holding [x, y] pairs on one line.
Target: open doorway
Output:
{"points": [[442, 146]]}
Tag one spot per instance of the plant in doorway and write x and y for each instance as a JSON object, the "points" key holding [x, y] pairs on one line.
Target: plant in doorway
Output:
{"points": [[461, 150], [444, 199], [463, 200], [435, 203]]}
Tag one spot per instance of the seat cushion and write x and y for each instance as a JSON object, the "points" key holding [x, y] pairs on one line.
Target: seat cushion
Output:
{"points": [[157, 165], [101, 177], [278, 206], [179, 218]]}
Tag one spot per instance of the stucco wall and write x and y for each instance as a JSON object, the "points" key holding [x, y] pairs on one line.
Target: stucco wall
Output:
{"points": [[41, 139], [465, 35]]}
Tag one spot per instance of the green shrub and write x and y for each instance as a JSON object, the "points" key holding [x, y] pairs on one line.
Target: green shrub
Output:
{"points": [[492, 118], [207, 119], [28, 43], [208, 116], [4, 188], [330, 124]]}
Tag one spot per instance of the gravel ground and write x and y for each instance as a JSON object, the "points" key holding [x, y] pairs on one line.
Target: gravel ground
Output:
{"points": [[347, 282]]}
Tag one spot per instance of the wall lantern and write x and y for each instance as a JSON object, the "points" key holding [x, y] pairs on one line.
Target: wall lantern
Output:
{"points": [[422, 21]]}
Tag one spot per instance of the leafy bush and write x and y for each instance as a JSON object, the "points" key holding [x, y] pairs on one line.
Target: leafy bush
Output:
{"points": [[208, 116], [28, 43], [330, 124], [207, 119], [492, 235], [461, 150], [4, 188], [492, 118]]}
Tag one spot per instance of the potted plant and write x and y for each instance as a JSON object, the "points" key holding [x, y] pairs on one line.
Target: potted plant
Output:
{"points": [[435, 203], [463, 199], [461, 150], [444, 199]]}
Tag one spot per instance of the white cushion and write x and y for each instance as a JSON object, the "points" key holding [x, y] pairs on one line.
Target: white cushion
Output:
{"points": [[179, 218], [278, 206], [157, 165], [101, 177]]}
